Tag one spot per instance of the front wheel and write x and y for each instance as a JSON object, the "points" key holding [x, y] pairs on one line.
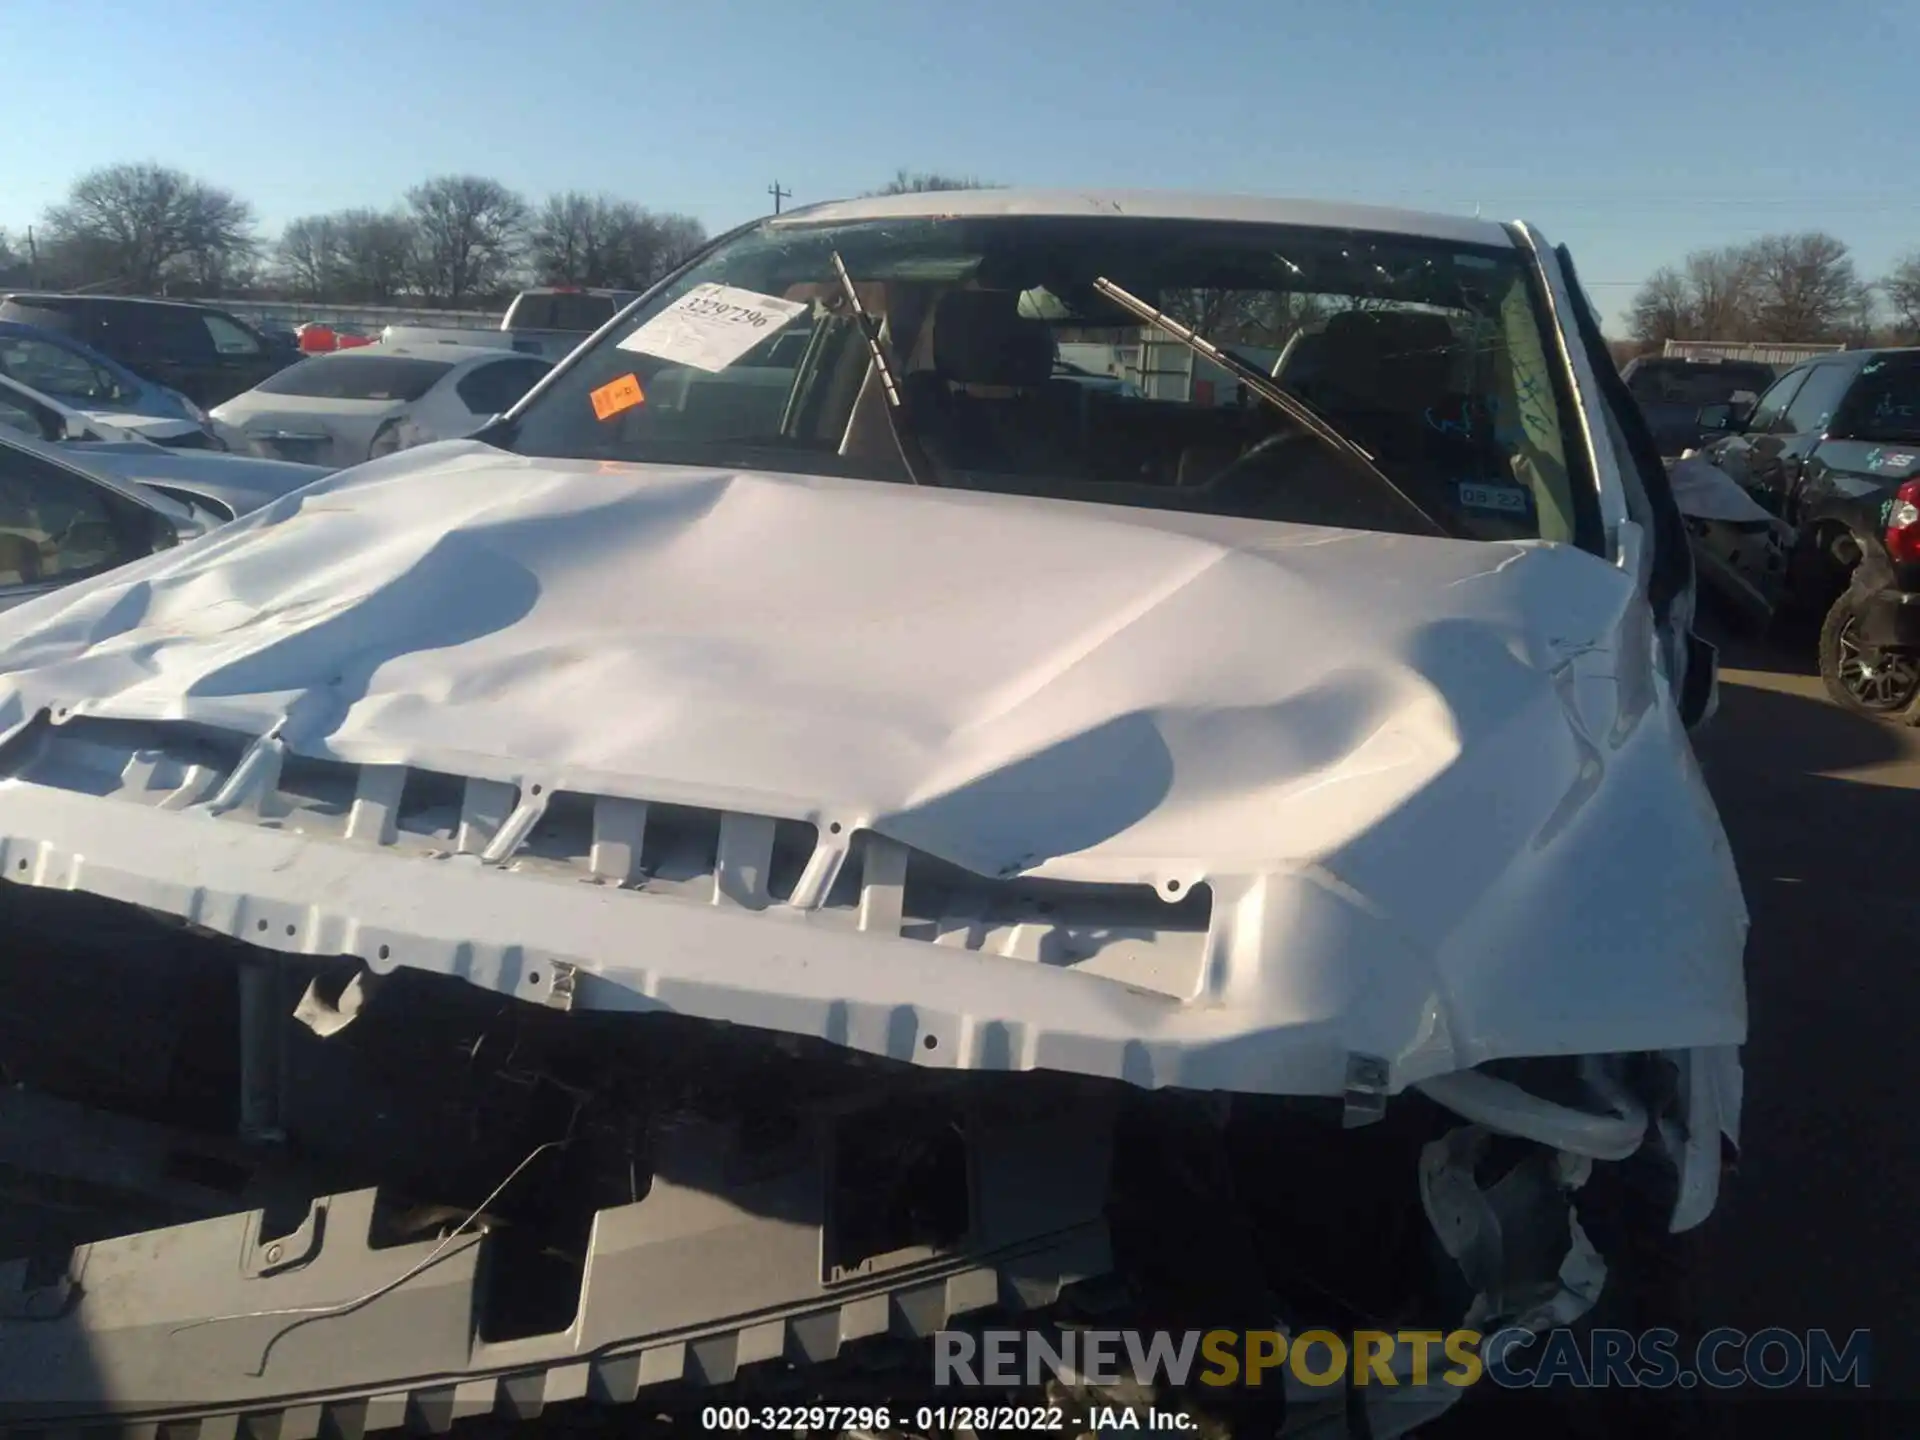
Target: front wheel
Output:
{"points": [[1880, 684]]}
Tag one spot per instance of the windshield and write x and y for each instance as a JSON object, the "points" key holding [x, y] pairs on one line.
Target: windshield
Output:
{"points": [[1678, 382], [356, 377], [1432, 356]]}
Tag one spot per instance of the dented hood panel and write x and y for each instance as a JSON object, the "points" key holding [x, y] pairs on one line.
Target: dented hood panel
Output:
{"points": [[1460, 752]]}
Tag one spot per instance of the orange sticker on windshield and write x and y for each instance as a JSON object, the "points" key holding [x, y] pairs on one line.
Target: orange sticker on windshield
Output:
{"points": [[617, 395]]}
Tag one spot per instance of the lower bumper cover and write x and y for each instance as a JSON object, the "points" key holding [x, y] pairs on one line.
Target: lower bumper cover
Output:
{"points": [[204, 1326]]}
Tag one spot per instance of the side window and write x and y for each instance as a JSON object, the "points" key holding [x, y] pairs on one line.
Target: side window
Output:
{"points": [[228, 337], [25, 416], [122, 330], [494, 388], [1884, 404], [1774, 403], [56, 525], [21, 416], [1812, 409], [53, 370]]}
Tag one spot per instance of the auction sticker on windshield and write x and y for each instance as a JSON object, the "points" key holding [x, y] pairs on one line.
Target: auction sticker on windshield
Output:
{"points": [[711, 326], [622, 394]]}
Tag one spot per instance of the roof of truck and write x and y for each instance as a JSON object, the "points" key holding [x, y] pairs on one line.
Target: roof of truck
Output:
{"points": [[1155, 205]]}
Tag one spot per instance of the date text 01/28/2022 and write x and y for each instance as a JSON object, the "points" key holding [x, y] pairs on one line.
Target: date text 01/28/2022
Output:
{"points": [[1037, 1419]]}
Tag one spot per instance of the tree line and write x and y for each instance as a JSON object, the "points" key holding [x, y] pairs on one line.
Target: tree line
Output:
{"points": [[454, 240], [1801, 288]]}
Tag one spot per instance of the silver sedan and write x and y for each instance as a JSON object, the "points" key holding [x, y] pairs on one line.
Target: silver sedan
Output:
{"points": [[355, 405]]}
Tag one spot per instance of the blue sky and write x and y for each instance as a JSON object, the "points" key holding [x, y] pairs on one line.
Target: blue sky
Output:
{"points": [[1632, 131]]}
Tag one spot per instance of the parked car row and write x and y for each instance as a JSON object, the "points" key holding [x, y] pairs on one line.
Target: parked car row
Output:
{"points": [[201, 352], [94, 383], [1832, 448]]}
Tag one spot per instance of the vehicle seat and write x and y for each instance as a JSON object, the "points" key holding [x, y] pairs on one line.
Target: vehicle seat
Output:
{"points": [[987, 402], [1389, 380], [19, 559], [1386, 368]]}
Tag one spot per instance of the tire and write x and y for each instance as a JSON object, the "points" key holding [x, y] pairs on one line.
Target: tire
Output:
{"points": [[1882, 688]]}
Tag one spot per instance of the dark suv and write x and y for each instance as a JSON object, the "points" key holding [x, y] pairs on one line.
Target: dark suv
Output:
{"points": [[1672, 390], [1833, 448], [204, 353]]}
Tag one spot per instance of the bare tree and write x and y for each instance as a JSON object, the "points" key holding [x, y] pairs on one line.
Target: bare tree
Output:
{"points": [[1663, 308], [308, 253], [679, 237], [470, 231], [1805, 288], [375, 252], [582, 239], [1720, 292], [1902, 289], [143, 224], [914, 182]]}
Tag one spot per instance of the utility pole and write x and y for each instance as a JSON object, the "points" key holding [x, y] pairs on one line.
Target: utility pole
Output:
{"points": [[778, 195]]}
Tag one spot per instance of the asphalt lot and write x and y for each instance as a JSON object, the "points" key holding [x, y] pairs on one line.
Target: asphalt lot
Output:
{"points": [[1818, 1227]]}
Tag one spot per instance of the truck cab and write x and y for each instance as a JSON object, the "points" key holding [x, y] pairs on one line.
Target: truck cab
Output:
{"points": [[551, 320]]}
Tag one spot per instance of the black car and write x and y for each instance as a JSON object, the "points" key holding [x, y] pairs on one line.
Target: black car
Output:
{"points": [[1833, 448], [206, 354], [1672, 390]]}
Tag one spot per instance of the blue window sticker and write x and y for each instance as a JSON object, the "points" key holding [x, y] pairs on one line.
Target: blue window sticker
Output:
{"points": [[1503, 499]]}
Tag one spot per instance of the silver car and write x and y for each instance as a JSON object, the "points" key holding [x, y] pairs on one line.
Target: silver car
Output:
{"points": [[70, 509], [355, 405]]}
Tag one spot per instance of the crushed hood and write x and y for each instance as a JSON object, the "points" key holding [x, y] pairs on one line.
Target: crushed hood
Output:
{"points": [[1435, 786], [1002, 682]]}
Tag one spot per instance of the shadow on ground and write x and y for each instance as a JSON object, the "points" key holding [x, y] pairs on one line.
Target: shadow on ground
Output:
{"points": [[1817, 1229]]}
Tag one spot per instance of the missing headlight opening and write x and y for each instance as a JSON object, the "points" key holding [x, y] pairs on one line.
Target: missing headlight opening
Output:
{"points": [[969, 764]]}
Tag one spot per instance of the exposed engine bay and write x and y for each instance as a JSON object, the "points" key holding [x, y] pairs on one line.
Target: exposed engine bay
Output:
{"points": [[405, 1199]]}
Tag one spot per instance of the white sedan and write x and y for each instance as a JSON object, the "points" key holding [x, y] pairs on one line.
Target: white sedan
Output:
{"points": [[354, 405]]}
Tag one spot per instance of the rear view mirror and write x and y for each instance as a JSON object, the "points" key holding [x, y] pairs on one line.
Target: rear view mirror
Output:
{"points": [[1715, 417]]}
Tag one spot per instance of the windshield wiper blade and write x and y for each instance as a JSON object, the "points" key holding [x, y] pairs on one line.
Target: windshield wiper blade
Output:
{"points": [[911, 455], [1263, 386]]}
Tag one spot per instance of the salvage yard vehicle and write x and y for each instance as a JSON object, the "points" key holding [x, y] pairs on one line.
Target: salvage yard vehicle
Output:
{"points": [[1672, 391], [551, 320], [1833, 449], [710, 881], [194, 490], [358, 404], [1741, 550], [203, 353], [71, 508], [99, 386]]}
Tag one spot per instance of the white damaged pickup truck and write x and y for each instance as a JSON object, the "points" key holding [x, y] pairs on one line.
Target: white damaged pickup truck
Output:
{"points": [[813, 830]]}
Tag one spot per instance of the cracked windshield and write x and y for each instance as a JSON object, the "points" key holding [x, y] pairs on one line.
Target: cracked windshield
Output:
{"points": [[916, 722]]}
